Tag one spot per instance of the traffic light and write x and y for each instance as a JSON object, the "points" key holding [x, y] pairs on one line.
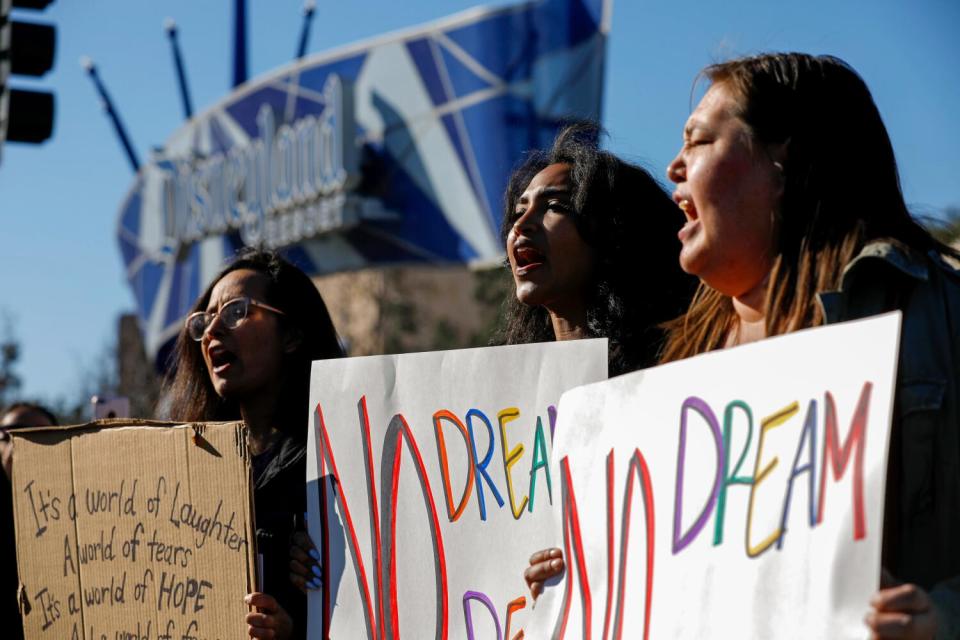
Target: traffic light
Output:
{"points": [[26, 48]]}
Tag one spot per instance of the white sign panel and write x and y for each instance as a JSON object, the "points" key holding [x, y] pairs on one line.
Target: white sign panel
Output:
{"points": [[429, 486], [738, 494]]}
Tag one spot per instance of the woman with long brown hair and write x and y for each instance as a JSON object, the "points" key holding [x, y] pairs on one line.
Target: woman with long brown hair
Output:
{"points": [[245, 353], [794, 218]]}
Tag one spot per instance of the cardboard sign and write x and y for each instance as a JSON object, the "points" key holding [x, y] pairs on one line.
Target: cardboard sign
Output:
{"points": [[429, 486], [133, 532], [738, 494]]}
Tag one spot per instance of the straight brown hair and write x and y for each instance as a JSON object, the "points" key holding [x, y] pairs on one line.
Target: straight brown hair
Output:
{"points": [[841, 190], [188, 391]]}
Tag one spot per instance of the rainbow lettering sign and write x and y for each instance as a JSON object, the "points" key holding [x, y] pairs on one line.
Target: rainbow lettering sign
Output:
{"points": [[738, 494], [429, 485]]}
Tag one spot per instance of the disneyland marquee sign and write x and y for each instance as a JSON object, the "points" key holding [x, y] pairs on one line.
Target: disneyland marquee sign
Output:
{"points": [[390, 151], [289, 183]]}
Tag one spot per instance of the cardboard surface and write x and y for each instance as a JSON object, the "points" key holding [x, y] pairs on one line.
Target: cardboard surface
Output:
{"points": [[429, 486], [133, 530], [737, 494]]}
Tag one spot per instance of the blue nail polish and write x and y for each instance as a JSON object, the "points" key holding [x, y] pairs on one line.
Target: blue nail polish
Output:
{"points": [[315, 554], [313, 584], [316, 571]]}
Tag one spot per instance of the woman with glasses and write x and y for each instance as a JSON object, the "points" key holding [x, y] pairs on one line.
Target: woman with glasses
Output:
{"points": [[244, 354]]}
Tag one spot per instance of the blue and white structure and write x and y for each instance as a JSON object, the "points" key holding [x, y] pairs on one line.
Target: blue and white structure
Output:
{"points": [[391, 151]]}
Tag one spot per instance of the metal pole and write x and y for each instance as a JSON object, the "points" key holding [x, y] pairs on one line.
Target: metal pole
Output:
{"points": [[239, 42], [309, 7], [118, 127], [171, 28]]}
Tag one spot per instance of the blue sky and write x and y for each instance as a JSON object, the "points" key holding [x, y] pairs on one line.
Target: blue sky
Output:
{"points": [[61, 275]]}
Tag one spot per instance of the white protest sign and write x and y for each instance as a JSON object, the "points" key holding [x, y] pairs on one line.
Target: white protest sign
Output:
{"points": [[738, 494], [435, 486]]}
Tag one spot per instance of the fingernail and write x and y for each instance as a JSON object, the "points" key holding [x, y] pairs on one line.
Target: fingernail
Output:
{"points": [[313, 584], [315, 554], [246, 598], [316, 571]]}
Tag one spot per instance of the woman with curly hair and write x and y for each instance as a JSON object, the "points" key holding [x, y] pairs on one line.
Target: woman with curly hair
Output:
{"points": [[590, 244]]}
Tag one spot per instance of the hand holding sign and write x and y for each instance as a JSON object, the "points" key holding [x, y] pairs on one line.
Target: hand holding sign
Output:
{"points": [[544, 565], [430, 479], [269, 621], [901, 611], [305, 569]]}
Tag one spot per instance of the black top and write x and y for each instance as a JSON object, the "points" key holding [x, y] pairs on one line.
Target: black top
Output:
{"points": [[9, 609], [279, 501]]}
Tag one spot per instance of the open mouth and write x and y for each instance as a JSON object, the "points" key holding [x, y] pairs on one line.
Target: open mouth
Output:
{"points": [[691, 223], [527, 259], [220, 359], [686, 205]]}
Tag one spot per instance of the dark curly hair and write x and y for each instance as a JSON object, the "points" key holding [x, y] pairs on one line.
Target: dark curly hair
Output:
{"points": [[621, 211], [188, 391], [31, 407]]}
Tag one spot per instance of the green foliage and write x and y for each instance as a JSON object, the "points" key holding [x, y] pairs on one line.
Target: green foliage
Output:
{"points": [[402, 322], [491, 288], [9, 355], [947, 229], [445, 336]]}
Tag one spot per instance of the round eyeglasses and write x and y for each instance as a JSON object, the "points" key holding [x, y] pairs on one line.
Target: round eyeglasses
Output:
{"points": [[231, 314]]}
